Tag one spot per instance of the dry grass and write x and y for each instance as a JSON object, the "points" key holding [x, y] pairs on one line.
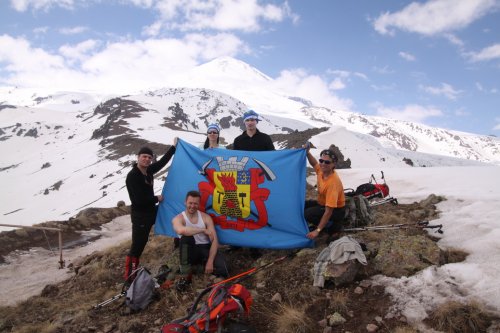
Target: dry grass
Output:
{"points": [[404, 329], [290, 319], [338, 301], [452, 255], [455, 317]]}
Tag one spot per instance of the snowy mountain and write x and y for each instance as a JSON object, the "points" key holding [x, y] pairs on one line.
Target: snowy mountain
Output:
{"points": [[64, 151]]}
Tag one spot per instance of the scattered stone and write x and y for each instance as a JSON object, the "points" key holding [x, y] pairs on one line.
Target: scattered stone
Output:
{"points": [[120, 203], [49, 290], [109, 328], [359, 290], [403, 319], [327, 329], [378, 319], [365, 283], [336, 319], [277, 298], [322, 323], [350, 313], [305, 252], [342, 274], [371, 328], [260, 285]]}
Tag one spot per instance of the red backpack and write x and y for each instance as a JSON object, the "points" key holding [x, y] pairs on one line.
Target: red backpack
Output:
{"points": [[370, 190], [222, 301]]}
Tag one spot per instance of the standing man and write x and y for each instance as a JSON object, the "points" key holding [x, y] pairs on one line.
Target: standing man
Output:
{"points": [[252, 139], [141, 192], [198, 242]]}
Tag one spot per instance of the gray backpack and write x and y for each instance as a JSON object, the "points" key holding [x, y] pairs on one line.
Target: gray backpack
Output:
{"points": [[358, 212], [142, 290]]}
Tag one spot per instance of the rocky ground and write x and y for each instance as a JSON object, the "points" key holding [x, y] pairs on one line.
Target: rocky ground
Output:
{"points": [[284, 298]]}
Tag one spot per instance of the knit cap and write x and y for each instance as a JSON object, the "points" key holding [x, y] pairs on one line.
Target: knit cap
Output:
{"points": [[213, 127], [145, 150], [251, 114]]}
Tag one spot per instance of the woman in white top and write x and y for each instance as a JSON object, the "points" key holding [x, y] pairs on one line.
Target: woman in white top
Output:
{"points": [[212, 140]]}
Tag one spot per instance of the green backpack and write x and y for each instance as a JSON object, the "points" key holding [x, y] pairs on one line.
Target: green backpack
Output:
{"points": [[358, 212]]}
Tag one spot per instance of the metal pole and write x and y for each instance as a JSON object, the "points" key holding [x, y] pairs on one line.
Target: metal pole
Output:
{"points": [[61, 261]]}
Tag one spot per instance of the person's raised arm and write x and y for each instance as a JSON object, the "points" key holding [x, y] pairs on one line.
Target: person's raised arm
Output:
{"points": [[310, 158]]}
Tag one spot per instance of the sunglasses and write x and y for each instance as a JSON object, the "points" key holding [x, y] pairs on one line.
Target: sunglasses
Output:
{"points": [[324, 161], [213, 132]]}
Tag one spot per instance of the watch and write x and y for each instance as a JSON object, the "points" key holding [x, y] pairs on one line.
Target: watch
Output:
{"points": [[318, 230]]}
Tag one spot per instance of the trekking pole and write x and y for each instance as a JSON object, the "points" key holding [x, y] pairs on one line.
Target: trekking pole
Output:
{"points": [[112, 299], [251, 271], [421, 225], [391, 200]]}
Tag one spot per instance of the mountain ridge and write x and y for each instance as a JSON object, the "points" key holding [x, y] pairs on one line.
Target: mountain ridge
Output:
{"points": [[74, 148]]}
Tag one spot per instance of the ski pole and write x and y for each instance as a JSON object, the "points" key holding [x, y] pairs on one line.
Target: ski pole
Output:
{"points": [[392, 200], [112, 299], [421, 225], [251, 271]]}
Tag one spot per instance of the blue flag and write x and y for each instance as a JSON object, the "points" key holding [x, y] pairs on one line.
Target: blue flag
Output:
{"points": [[256, 199]]}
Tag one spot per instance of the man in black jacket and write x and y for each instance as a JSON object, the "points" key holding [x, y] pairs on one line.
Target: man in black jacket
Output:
{"points": [[141, 192], [252, 139]]}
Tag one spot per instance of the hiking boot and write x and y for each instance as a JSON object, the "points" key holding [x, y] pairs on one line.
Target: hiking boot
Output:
{"points": [[168, 284], [162, 275], [255, 253], [183, 284]]}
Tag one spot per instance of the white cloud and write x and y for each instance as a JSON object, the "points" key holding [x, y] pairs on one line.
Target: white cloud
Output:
{"points": [[382, 70], [444, 90], [342, 78], [41, 30], [488, 53], [222, 15], [337, 84], [434, 16], [153, 29], [79, 51], [73, 30], [298, 82], [127, 65], [383, 87], [412, 112], [361, 75], [23, 5], [407, 56], [461, 112], [454, 40]]}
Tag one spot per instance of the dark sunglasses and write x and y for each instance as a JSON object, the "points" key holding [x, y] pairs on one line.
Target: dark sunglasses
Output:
{"points": [[213, 132], [324, 161]]}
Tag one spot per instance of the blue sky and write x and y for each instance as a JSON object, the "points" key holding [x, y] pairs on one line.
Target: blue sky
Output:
{"points": [[435, 62]]}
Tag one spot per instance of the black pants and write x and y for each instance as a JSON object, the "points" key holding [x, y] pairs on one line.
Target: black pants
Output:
{"points": [[313, 213], [141, 226], [192, 254]]}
